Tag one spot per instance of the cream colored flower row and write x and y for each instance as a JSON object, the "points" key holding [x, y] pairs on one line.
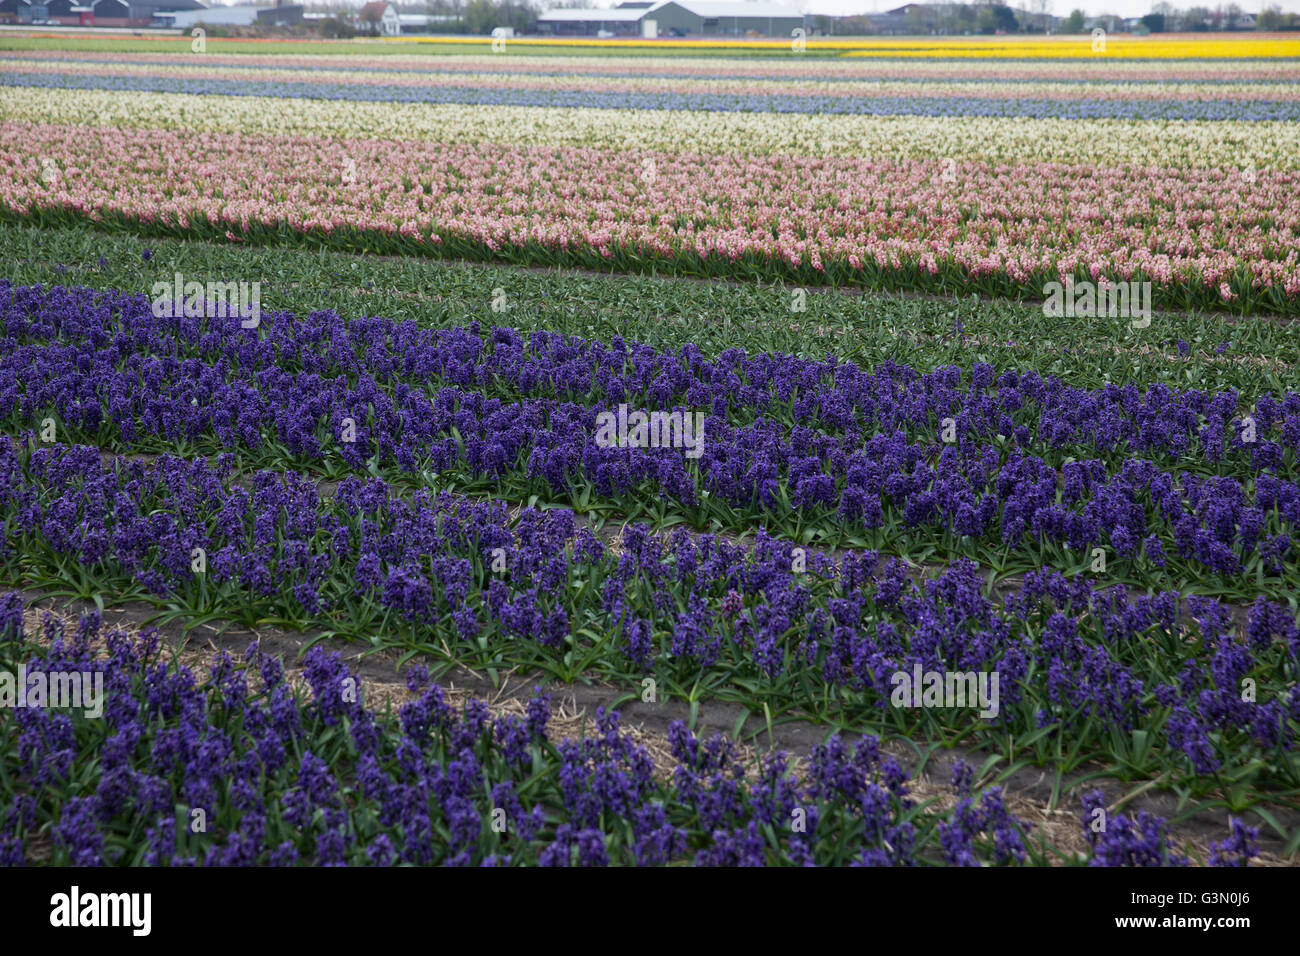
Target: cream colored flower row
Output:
{"points": [[1038, 89], [1183, 144]]}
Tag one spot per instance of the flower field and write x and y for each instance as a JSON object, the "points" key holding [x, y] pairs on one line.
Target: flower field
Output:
{"points": [[380, 567], [986, 201]]}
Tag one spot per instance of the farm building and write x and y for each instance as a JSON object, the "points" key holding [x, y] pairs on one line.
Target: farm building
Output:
{"points": [[675, 18], [273, 16], [32, 12], [387, 21], [64, 12], [137, 13], [613, 21], [423, 22]]}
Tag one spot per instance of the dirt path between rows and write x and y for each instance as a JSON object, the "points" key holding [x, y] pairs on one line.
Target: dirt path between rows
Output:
{"points": [[1028, 790]]}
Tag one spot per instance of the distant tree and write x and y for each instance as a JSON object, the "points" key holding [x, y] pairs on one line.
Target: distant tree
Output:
{"points": [[445, 8], [1195, 17], [1073, 23], [954, 18], [1155, 22], [1043, 14], [1270, 18], [484, 16], [997, 17], [336, 29]]}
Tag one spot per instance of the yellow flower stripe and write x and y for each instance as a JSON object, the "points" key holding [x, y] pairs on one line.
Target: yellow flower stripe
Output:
{"points": [[1162, 46]]}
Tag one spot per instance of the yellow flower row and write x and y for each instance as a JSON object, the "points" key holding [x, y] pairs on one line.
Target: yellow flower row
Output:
{"points": [[1114, 47], [1227, 145], [1162, 46]]}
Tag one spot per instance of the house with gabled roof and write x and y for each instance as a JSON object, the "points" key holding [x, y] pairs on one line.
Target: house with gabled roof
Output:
{"points": [[137, 13], [384, 17]]}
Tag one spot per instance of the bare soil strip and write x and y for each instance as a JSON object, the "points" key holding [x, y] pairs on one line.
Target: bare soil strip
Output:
{"points": [[1028, 791]]}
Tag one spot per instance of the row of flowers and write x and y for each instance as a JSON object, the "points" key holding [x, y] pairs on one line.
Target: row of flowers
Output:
{"points": [[1215, 105], [1159, 684], [1225, 145], [76, 350], [1097, 70], [874, 90], [1201, 238], [822, 446], [240, 769], [947, 48], [1160, 46]]}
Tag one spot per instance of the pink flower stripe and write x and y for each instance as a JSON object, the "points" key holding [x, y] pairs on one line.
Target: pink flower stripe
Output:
{"points": [[848, 219], [1119, 71]]}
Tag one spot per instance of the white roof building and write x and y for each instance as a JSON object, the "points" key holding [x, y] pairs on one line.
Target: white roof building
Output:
{"points": [[601, 14], [239, 16], [676, 18]]}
